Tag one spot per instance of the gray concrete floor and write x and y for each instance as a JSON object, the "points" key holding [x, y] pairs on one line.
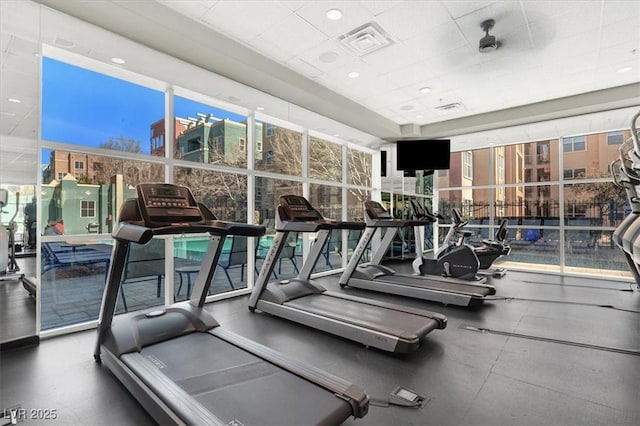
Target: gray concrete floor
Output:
{"points": [[553, 351]]}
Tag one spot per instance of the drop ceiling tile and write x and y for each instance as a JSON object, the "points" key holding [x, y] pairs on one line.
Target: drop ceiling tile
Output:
{"points": [[547, 10], [407, 19], [436, 41], [390, 58], [244, 20], [460, 8], [353, 15], [507, 16], [377, 7], [20, 18], [416, 75], [271, 50], [615, 11], [621, 32], [294, 35], [27, 66], [314, 55]]}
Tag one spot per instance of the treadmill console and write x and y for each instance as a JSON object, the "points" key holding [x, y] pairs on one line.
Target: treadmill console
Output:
{"points": [[375, 210], [298, 208], [163, 203]]}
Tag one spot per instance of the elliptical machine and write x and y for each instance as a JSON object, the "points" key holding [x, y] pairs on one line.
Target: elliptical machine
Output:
{"points": [[487, 253], [457, 262], [9, 269]]}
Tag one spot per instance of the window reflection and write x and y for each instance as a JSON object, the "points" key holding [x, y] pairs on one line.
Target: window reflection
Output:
{"points": [[325, 160], [594, 204], [359, 167], [86, 108], [224, 193], [281, 150], [208, 134], [328, 201], [88, 203]]}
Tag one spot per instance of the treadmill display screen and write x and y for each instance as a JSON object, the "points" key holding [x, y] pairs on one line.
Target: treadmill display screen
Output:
{"points": [[166, 203], [299, 208], [376, 210]]}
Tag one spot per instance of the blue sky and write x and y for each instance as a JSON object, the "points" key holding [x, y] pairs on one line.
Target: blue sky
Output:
{"points": [[83, 107]]}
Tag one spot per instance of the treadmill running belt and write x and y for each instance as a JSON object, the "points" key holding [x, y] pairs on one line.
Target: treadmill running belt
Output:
{"points": [[398, 323], [422, 281], [230, 376], [237, 386]]}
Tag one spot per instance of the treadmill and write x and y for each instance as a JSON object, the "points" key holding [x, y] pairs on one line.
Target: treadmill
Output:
{"points": [[376, 277], [179, 363], [385, 326]]}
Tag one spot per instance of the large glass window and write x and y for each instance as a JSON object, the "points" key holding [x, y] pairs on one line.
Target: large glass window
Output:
{"points": [[207, 134], [83, 107], [593, 251], [325, 160], [540, 162], [268, 192], [525, 193], [615, 138], [594, 204], [328, 200], [281, 150], [224, 193], [574, 144], [461, 171], [89, 204], [73, 264], [359, 165], [467, 165]]}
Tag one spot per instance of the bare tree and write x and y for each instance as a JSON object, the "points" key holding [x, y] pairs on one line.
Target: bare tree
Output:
{"points": [[599, 200], [134, 171], [282, 152], [325, 160], [224, 193]]}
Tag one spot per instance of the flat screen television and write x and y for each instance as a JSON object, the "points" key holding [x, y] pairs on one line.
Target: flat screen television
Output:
{"points": [[423, 154]]}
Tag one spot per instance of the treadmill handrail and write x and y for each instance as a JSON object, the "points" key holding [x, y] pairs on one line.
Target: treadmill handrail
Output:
{"points": [[132, 231]]}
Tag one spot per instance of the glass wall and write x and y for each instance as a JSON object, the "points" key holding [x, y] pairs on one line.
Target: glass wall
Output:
{"points": [[206, 134], [556, 195], [77, 214], [325, 160], [328, 200], [91, 109], [103, 135], [281, 150]]}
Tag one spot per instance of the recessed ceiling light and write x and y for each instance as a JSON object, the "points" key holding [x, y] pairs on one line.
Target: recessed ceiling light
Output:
{"points": [[118, 61], [260, 108], [425, 90], [14, 100], [419, 116], [36, 54], [625, 69], [334, 14], [336, 134], [354, 74]]}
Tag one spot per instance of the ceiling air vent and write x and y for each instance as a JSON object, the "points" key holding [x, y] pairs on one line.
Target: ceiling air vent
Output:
{"points": [[365, 39], [449, 108]]}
